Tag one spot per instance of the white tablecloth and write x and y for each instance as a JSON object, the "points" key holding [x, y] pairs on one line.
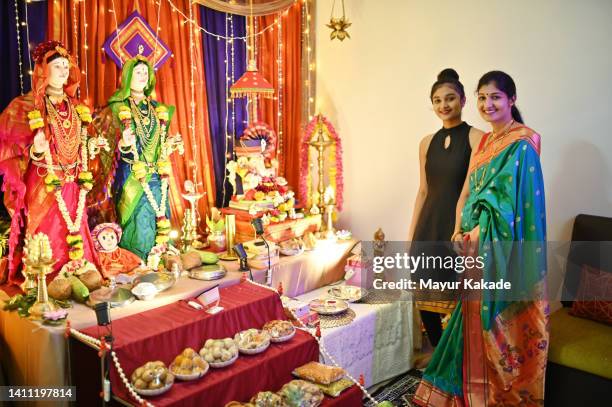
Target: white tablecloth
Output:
{"points": [[377, 344]]}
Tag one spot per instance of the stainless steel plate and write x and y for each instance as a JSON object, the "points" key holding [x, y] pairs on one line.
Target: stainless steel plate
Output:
{"points": [[162, 280], [208, 272], [116, 298], [349, 293]]}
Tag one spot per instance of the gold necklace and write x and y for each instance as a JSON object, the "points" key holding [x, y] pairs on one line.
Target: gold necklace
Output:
{"points": [[146, 117], [494, 139], [67, 140], [144, 134]]}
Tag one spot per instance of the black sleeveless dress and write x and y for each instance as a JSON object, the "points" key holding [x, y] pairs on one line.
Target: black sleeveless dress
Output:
{"points": [[445, 170]]}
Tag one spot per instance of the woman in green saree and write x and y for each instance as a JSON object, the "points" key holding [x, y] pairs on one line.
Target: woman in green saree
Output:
{"points": [[140, 186], [493, 352]]}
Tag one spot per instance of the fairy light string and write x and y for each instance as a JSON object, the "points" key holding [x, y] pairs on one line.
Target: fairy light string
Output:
{"points": [[27, 26], [192, 73], [86, 48], [227, 84], [17, 24], [75, 35], [309, 64], [279, 64], [203, 29]]}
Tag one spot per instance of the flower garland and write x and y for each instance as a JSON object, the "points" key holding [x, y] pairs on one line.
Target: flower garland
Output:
{"points": [[141, 170], [74, 239], [335, 167]]}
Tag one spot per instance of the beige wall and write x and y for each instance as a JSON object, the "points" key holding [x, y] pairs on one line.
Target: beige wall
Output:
{"points": [[374, 87]]}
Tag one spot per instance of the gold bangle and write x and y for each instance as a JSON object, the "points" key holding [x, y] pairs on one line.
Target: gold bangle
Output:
{"points": [[455, 234], [36, 156]]}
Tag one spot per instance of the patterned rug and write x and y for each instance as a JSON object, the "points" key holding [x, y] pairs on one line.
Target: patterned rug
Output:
{"points": [[400, 390]]}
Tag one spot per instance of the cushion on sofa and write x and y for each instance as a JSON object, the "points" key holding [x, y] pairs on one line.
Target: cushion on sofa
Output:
{"points": [[594, 298], [580, 343], [591, 245]]}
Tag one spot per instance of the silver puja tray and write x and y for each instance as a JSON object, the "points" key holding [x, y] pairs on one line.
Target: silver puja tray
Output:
{"points": [[161, 280], [116, 297], [208, 272]]}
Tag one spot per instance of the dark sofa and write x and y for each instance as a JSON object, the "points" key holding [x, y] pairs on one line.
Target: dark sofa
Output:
{"points": [[579, 370]]}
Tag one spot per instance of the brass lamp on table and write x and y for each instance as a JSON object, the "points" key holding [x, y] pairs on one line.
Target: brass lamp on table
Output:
{"points": [[321, 143]]}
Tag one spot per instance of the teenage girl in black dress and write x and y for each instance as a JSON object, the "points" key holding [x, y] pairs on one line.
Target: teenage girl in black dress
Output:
{"points": [[444, 160]]}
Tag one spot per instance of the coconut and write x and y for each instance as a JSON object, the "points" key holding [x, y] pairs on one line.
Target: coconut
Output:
{"points": [[60, 289], [92, 280], [191, 260]]}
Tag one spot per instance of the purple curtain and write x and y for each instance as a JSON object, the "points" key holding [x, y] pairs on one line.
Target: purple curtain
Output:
{"points": [[9, 51], [227, 120]]}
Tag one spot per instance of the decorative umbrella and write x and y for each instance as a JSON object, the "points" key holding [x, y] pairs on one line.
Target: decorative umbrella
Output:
{"points": [[252, 84]]}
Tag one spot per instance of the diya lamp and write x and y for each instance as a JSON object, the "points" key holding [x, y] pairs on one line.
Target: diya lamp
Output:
{"points": [[330, 233], [191, 218], [40, 259]]}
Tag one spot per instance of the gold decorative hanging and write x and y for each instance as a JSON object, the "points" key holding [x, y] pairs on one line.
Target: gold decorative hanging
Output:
{"points": [[339, 25]]}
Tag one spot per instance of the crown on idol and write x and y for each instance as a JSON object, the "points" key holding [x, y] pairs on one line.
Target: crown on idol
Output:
{"points": [[44, 47]]}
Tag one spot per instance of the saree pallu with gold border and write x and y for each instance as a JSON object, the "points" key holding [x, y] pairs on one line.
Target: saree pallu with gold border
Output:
{"points": [[33, 209], [494, 349]]}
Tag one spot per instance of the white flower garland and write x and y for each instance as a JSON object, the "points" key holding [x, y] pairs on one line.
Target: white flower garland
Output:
{"points": [[160, 210], [73, 226]]}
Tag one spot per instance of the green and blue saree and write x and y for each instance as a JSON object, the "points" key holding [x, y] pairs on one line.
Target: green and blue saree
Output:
{"points": [[494, 349], [135, 214]]}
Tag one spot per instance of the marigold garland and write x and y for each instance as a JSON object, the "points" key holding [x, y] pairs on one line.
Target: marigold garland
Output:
{"points": [[53, 184], [334, 162]]}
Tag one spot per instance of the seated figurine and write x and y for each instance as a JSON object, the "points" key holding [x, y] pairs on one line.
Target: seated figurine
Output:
{"points": [[113, 259]]}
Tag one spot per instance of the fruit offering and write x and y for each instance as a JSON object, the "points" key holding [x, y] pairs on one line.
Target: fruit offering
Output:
{"points": [[279, 330], [252, 341], [299, 393], [189, 365], [219, 352], [152, 376]]}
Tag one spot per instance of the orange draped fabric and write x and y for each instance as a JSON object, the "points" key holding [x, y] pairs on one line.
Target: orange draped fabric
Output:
{"points": [[173, 78], [267, 57]]}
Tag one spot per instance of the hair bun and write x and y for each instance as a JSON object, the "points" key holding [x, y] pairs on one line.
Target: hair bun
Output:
{"points": [[448, 73]]}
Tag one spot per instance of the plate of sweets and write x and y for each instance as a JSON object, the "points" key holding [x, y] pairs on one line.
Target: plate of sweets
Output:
{"points": [[327, 306], [252, 341], [189, 365], [219, 352], [152, 379], [292, 247], [279, 330]]}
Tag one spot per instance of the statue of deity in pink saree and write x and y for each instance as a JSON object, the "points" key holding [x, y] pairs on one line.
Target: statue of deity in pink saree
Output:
{"points": [[45, 156]]}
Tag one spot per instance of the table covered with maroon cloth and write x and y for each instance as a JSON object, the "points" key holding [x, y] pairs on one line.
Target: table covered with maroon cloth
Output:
{"points": [[162, 333]]}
